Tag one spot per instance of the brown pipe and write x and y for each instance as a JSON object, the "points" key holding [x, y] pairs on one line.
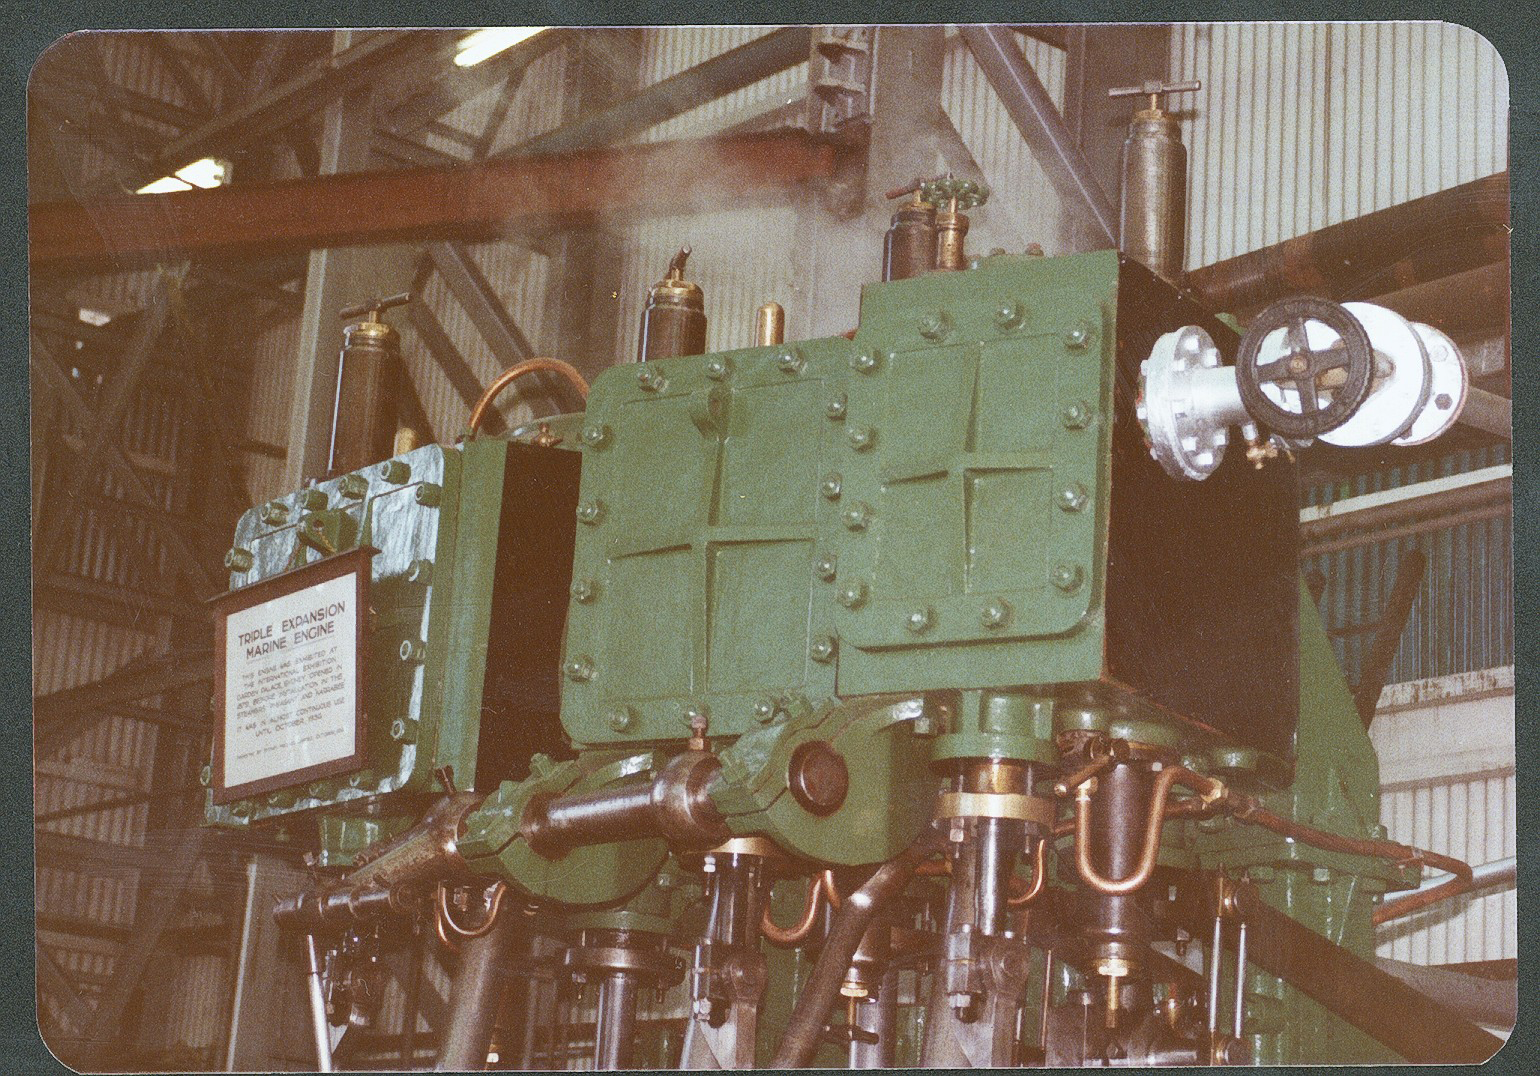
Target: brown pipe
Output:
{"points": [[1039, 877], [826, 880], [804, 1029], [523, 369], [1207, 787], [786, 937]]}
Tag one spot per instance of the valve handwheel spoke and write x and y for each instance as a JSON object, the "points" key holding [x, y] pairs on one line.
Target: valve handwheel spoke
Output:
{"points": [[1320, 404]]}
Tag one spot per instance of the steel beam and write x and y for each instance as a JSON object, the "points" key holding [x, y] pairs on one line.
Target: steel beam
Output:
{"points": [[1387, 636], [1424, 239], [1413, 1025], [58, 715], [107, 451], [1032, 110], [473, 291], [268, 981], [287, 102], [459, 373], [705, 82], [428, 101], [54, 980], [468, 202]]}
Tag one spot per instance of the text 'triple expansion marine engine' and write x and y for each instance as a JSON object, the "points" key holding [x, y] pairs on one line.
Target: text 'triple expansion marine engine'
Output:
{"points": [[952, 672]]}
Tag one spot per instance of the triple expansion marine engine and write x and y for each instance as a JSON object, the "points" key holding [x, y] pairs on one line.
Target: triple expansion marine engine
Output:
{"points": [[941, 695]]}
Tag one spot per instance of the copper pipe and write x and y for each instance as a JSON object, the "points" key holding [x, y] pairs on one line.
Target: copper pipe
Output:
{"points": [[494, 905], [795, 935], [1210, 789], [1249, 810], [1039, 877], [522, 369], [827, 881]]}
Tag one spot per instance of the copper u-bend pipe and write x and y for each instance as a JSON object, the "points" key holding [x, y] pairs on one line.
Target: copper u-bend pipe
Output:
{"points": [[795, 935], [523, 369], [1210, 789]]}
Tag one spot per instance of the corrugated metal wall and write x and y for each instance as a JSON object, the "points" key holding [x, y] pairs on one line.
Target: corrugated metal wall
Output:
{"points": [[1473, 819], [670, 50], [1459, 800], [1463, 616], [1301, 125], [1022, 207]]}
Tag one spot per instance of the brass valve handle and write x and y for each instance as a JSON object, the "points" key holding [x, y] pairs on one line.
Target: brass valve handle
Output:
{"points": [[943, 190], [374, 307], [1153, 89]]}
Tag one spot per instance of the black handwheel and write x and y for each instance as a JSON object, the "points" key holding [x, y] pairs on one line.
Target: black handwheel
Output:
{"points": [[1326, 399]]}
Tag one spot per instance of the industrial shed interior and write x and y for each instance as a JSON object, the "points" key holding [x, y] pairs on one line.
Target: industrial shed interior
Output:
{"points": [[728, 547]]}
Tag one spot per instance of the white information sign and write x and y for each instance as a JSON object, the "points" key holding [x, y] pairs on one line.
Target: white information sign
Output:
{"points": [[291, 683]]}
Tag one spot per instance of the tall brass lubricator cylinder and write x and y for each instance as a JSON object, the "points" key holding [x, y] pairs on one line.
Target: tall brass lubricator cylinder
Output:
{"points": [[364, 415], [674, 319], [1154, 215]]}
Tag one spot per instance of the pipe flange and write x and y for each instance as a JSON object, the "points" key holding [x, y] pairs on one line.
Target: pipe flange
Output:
{"points": [[654, 964], [1187, 401], [1012, 805]]}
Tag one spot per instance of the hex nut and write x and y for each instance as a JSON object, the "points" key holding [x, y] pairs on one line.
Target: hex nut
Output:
{"points": [[1076, 416], [1073, 497], [935, 326], [1009, 315], [596, 435]]}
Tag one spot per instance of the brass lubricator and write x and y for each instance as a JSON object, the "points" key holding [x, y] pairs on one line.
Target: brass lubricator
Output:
{"points": [[674, 319], [364, 417], [952, 198], [909, 247], [1154, 214]]}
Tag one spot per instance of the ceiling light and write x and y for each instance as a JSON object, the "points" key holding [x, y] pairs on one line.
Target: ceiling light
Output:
{"points": [[206, 172], [484, 44]]}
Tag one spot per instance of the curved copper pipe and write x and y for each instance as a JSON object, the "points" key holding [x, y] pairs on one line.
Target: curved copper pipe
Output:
{"points": [[832, 894], [1249, 810], [523, 369], [795, 935], [1039, 876], [1210, 789], [445, 917]]}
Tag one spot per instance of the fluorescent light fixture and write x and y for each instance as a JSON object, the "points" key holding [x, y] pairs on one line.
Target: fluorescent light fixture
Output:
{"points": [[94, 317], [485, 44], [201, 173]]}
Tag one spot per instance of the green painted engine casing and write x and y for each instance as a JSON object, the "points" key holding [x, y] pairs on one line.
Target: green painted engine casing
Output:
{"points": [[448, 523], [926, 508]]}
